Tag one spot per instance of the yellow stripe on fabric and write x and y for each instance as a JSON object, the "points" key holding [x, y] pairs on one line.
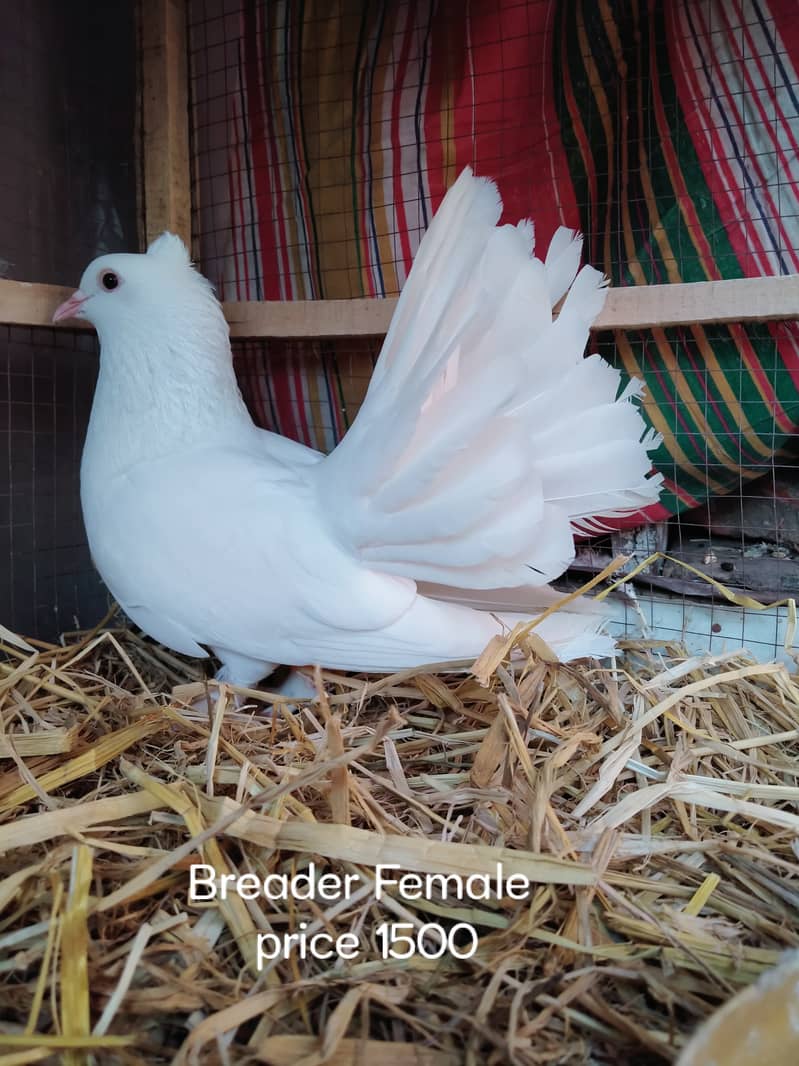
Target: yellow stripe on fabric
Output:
{"points": [[607, 124], [299, 247], [684, 204], [633, 265], [384, 162], [328, 63], [771, 401], [310, 366], [361, 131], [657, 417], [657, 228], [447, 119], [708, 355], [673, 271], [727, 393], [355, 367], [319, 40], [676, 177], [689, 401], [282, 146]]}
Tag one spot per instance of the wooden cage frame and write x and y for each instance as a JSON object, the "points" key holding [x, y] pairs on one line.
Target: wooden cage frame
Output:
{"points": [[165, 203]]}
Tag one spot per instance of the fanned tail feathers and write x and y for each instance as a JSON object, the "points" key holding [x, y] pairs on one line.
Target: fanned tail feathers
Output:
{"points": [[486, 439]]}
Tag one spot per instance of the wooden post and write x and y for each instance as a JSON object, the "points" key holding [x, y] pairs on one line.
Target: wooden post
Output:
{"points": [[165, 118]]}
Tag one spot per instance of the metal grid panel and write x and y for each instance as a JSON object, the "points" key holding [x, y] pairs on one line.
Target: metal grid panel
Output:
{"points": [[67, 182], [746, 536], [47, 581], [336, 376], [67, 193], [681, 126], [325, 134]]}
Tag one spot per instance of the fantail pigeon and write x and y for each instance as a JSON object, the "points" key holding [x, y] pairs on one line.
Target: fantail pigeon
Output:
{"points": [[485, 442]]}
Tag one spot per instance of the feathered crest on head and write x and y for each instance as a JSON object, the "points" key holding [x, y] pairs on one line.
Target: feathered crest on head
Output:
{"points": [[170, 248]]}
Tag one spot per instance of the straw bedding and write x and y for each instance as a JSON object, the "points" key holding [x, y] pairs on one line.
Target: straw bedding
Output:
{"points": [[652, 803]]}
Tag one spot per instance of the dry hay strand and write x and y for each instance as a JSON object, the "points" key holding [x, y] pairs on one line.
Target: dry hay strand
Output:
{"points": [[652, 804]]}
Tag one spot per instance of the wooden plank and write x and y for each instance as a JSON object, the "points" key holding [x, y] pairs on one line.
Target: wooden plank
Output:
{"points": [[310, 318], [743, 300], [735, 300], [639, 307], [23, 303], [165, 118]]}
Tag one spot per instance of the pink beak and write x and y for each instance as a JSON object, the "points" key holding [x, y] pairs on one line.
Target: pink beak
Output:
{"points": [[71, 308]]}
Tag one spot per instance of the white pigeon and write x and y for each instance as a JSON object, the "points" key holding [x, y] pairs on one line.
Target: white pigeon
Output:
{"points": [[485, 442]]}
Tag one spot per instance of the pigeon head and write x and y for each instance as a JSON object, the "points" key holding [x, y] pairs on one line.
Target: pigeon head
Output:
{"points": [[121, 290]]}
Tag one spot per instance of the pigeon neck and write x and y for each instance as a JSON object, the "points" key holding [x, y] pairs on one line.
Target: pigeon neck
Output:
{"points": [[163, 398]]}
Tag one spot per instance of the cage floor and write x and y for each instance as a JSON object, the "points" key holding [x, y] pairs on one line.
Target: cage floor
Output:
{"points": [[705, 627], [649, 806]]}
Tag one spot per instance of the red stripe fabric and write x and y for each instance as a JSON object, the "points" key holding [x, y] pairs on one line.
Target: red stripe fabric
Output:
{"points": [[318, 201]]}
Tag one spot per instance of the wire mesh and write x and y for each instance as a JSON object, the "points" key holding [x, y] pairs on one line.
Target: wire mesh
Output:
{"points": [[305, 389], [67, 194], [324, 136], [47, 582], [67, 105]]}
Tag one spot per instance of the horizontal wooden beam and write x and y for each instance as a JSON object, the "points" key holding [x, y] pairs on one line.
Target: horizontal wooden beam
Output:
{"points": [[310, 318], [636, 307], [736, 300], [26, 303]]}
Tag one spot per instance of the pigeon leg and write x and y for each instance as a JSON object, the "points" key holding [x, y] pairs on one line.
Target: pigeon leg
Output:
{"points": [[235, 670], [297, 684], [239, 670]]}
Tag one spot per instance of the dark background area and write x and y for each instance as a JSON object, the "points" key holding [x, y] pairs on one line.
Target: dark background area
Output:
{"points": [[67, 194]]}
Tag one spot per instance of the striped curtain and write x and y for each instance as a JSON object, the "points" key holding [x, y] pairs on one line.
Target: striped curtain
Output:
{"points": [[326, 133]]}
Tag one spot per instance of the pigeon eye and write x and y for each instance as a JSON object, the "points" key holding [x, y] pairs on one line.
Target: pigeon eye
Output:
{"points": [[109, 280]]}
